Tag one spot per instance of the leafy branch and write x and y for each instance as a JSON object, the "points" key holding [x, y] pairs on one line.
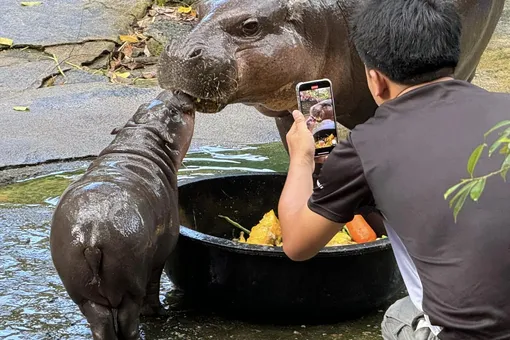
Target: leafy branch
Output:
{"points": [[474, 186]]}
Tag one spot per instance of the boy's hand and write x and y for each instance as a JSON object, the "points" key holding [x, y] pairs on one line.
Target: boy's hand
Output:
{"points": [[300, 141]]}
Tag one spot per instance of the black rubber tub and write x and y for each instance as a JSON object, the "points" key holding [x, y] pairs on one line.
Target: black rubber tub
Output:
{"points": [[260, 282]]}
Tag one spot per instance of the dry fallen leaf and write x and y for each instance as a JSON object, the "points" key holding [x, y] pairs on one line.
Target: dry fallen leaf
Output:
{"points": [[141, 36], [184, 9], [21, 108], [122, 74], [128, 51], [193, 13], [132, 65], [115, 63], [128, 38], [165, 10], [31, 3], [146, 51], [6, 41], [148, 75]]}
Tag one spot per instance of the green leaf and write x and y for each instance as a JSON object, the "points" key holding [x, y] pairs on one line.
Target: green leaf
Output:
{"points": [[497, 126], [473, 159], [459, 205], [506, 164], [504, 150], [452, 189], [477, 189], [465, 188], [6, 41], [461, 199], [21, 108], [503, 139], [503, 174], [31, 3]]}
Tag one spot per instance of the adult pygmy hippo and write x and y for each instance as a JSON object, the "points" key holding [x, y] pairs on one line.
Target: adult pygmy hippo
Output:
{"points": [[255, 52], [114, 228]]}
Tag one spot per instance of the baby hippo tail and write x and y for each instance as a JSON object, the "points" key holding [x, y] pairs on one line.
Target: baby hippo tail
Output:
{"points": [[93, 257]]}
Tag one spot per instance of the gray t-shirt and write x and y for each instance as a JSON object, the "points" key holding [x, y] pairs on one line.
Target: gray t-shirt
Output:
{"points": [[400, 163]]}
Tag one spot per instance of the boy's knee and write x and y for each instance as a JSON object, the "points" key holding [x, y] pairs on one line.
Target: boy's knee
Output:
{"points": [[398, 320]]}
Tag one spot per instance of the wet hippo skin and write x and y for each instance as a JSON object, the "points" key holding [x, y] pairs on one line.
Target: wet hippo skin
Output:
{"points": [[255, 52], [114, 228]]}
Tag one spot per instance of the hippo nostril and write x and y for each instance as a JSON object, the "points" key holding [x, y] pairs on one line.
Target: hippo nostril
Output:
{"points": [[196, 53]]}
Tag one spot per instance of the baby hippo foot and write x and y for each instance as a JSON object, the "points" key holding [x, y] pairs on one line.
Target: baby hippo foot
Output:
{"points": [[151, 304], [154, 310]]}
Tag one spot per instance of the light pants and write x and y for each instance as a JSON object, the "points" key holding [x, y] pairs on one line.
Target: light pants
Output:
{"points": [[401, 320]]}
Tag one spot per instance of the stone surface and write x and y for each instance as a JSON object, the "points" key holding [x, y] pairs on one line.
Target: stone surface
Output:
{"points": [[76, 76], [75, 120], [70, 21], [24, 69], [162, 30], [81, 54]]}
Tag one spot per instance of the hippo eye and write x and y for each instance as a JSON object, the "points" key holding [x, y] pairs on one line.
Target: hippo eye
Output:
{"points": [[250, 27]]}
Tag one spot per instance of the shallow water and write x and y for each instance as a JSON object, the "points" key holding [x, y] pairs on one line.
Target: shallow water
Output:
{"points": [[34, 305], [206, 161]]}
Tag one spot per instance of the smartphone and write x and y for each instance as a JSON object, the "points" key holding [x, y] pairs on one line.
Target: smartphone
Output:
{"points": [[316, 102]]}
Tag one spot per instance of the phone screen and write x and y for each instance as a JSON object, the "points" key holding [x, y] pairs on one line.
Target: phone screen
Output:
{"points": [[316, 104]]}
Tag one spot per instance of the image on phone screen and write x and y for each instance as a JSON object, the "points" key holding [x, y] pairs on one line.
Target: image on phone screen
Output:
{"points": [[316, 104]]}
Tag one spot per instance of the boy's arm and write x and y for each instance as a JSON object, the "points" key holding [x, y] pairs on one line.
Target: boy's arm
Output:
{"points": [[311, 217], [304, 232]]}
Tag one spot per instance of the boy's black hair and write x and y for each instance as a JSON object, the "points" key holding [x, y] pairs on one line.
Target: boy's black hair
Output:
{"points": [[409, 41]]}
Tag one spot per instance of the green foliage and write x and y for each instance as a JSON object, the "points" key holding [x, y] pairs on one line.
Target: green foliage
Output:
{"points": [[474, 186]]}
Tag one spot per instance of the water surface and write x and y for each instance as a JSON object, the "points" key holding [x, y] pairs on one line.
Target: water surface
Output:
{"points": [[34, 305]]}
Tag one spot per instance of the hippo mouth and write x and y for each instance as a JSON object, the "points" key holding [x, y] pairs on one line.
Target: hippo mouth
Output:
{"points": [[206, 105]]}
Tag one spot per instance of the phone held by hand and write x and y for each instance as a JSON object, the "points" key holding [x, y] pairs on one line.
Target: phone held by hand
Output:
{"points": [[315, 101]]}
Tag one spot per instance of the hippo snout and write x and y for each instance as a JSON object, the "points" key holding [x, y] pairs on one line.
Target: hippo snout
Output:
{"points": [[207, 74]]}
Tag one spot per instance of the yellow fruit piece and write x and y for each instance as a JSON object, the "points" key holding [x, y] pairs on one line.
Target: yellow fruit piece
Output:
{"points": [[341, 238], [267, 232]]}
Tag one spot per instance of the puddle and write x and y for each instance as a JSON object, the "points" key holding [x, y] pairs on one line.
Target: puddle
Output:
{"points": [[34, 305], [206, 161]]}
